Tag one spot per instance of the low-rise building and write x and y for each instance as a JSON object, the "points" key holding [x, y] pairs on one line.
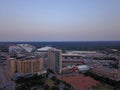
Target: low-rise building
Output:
{"points": [[113, 74], [80, 82], [26, 65], [71, 59]]}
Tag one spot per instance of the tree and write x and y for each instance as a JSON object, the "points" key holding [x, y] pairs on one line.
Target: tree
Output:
{"points": [[46, 87], [54, 78], [54, 88]]}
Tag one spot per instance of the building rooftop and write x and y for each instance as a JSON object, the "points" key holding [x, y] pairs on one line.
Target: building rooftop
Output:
{"points": [[106, 69], [44, 48], [80, 82], [21, 49], [81, 52], [70, 54], [27, 58]]}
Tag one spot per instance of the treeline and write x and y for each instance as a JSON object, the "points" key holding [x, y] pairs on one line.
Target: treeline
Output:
{"points": [[26, 83], [3, 48], [88, 45]]}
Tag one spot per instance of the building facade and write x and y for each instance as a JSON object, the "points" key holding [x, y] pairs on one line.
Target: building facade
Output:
{"points": [[24, 66], [55, 60], [71, 59]]}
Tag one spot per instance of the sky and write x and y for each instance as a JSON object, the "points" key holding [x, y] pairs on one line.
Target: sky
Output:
{"points": [[59, 20]]}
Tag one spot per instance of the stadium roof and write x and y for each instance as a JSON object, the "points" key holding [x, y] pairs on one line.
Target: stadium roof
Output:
{"points": [[44, 48]]}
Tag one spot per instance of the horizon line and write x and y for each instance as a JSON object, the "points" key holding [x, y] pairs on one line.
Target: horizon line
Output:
{"points": [[67, 41]]}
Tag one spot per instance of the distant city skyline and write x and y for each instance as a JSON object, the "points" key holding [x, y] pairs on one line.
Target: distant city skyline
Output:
{"points": [[59, 20]]}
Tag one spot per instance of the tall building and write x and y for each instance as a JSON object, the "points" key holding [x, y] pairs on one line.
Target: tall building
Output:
{"points": [[24, 66], [55, 60]]}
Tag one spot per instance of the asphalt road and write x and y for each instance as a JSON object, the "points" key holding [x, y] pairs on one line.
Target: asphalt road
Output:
{"points": [[5, 81], [3, 78]]}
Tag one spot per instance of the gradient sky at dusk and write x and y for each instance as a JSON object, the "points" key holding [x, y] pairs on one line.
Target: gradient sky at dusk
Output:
{"points": [[59, 20]]}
